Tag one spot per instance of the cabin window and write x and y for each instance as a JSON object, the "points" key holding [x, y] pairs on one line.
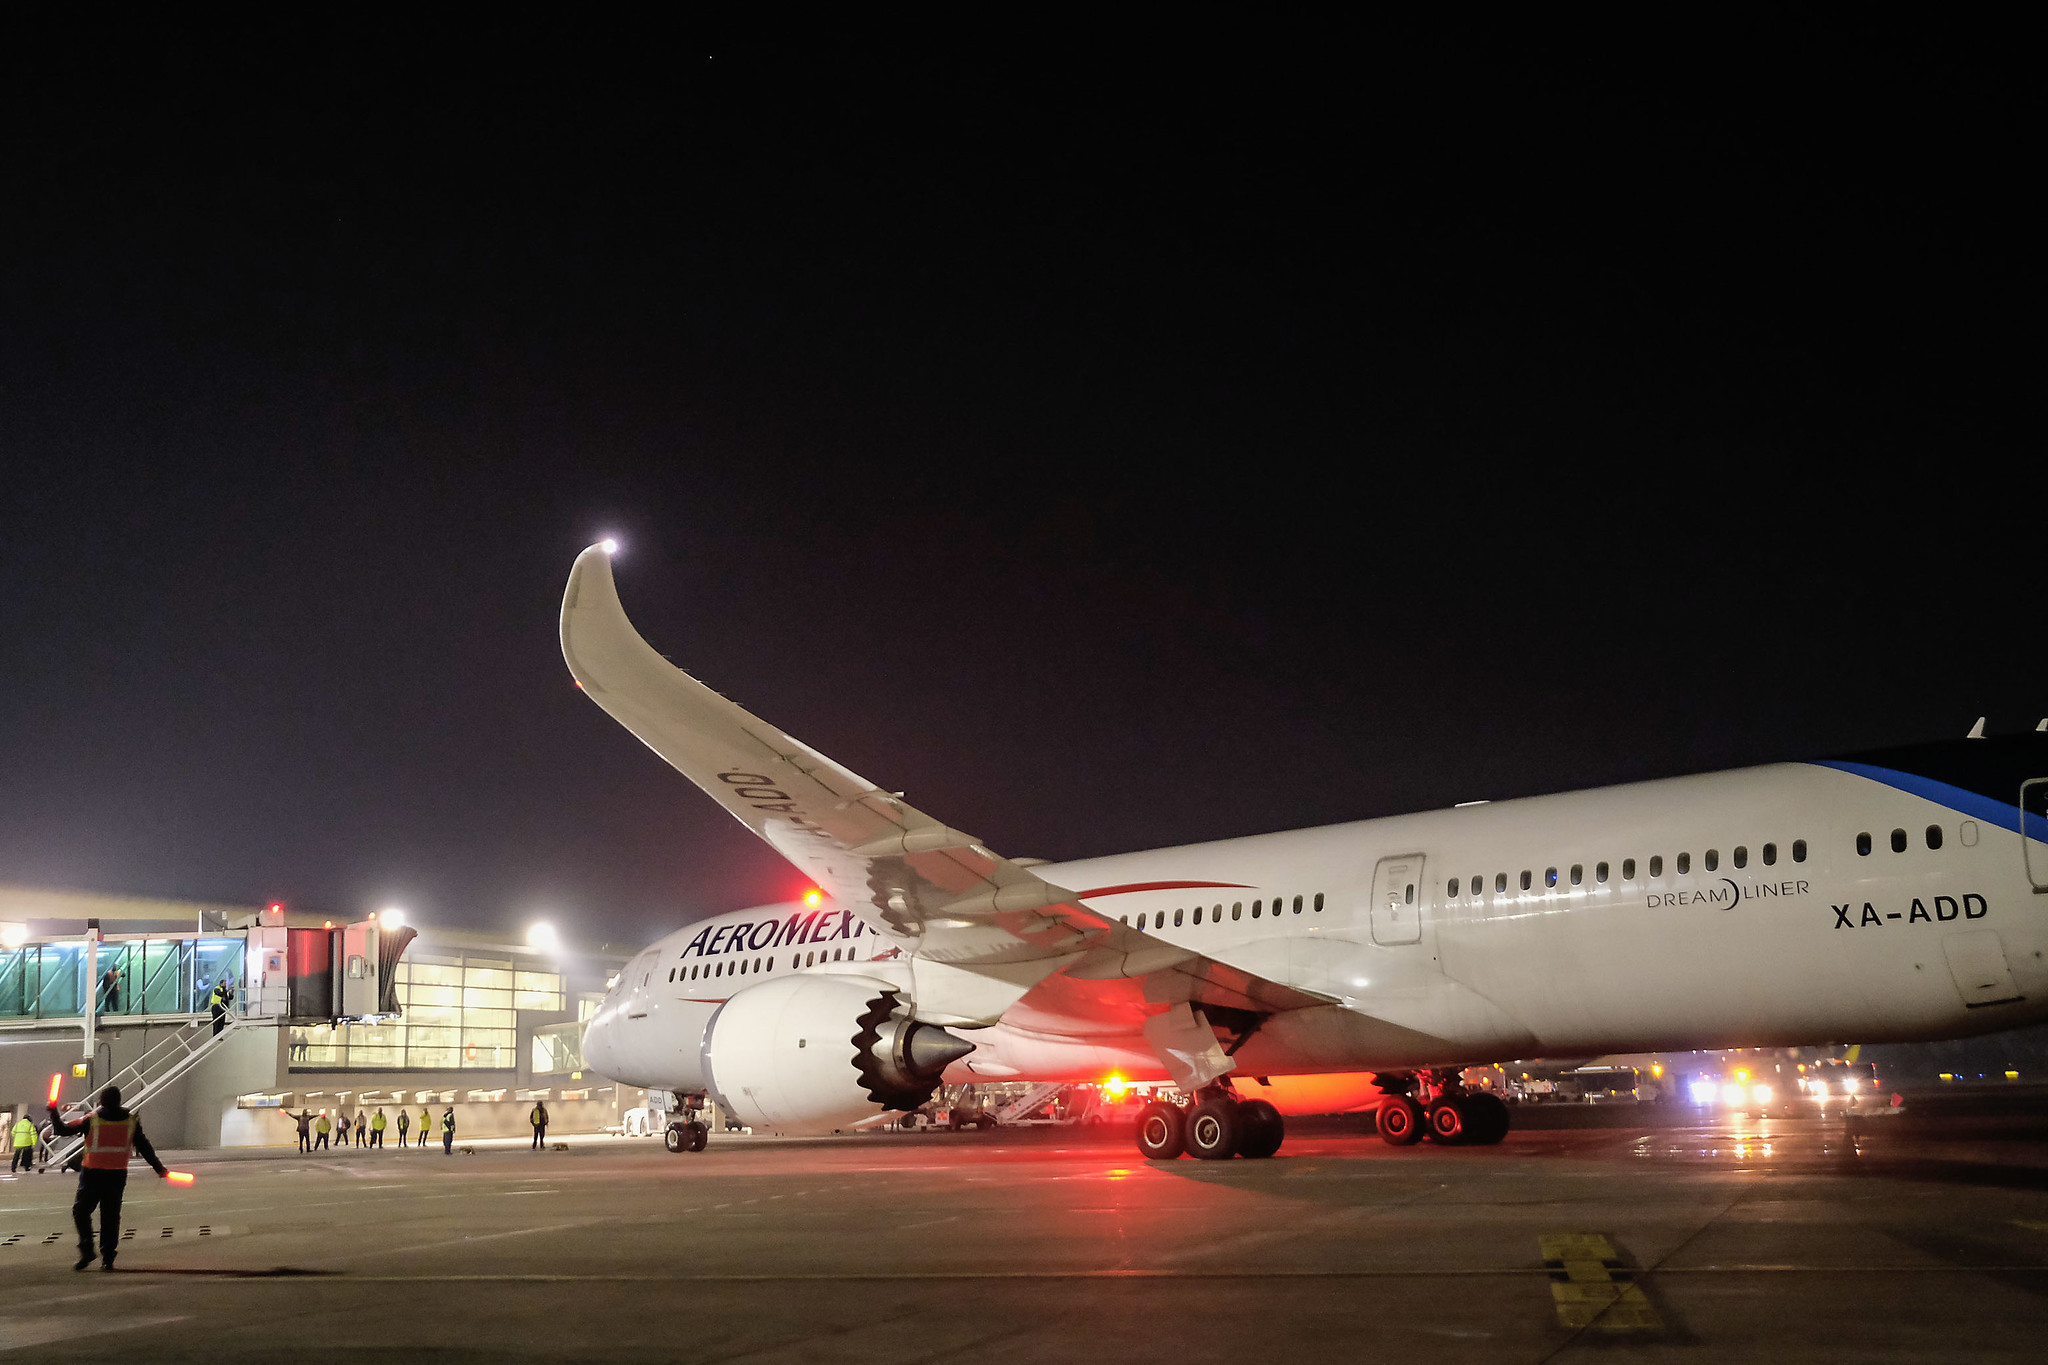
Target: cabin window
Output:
{"points": [[1799, 850], [810, 959], [1297, 905], [1863, 844], [771, 964], [1713, 860], [1176, 919], [1237, 910], [1600, 874], [1478, 885], [1525, 879], [1770, 855], [1500, 883], [1898, 841], [1453, 892], [1578, 874], [1684, 863], [671, 973], [1198, 914], [1967, 832], [1657, 866], [1741, 856], [1934, 836], [1319, 899], [1550, 876], [1256, 907], [1628, 869], [1120, 919]]}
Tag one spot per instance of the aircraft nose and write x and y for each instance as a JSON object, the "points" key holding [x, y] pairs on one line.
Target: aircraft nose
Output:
{"points": [[600, 1049]]}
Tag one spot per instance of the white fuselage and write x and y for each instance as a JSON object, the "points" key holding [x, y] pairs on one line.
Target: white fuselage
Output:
{"points": [[1728, 909]]}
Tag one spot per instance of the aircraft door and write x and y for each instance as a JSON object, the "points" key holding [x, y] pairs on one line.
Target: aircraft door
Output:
{"points": [[2034, 829], [1397, 898]]}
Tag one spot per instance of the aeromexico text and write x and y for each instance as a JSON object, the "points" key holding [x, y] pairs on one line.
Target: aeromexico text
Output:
{"points": [[817, 926]]}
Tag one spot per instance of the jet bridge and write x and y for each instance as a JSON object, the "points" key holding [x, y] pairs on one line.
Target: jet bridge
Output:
{"points": [[92, 983]]}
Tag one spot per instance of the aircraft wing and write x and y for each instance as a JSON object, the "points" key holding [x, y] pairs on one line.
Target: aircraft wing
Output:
{"points": [[985, 929]]}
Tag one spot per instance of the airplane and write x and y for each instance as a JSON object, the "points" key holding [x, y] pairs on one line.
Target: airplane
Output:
{"points": [[1893, 896]]}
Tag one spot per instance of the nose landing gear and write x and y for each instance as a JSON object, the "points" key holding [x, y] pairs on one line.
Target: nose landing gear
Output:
{"points": [[1216, 1127], [688, 1133]]}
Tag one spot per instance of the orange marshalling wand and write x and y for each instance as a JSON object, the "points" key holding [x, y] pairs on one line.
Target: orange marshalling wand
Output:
{"points": [[56, 1085], [179, 1177]]}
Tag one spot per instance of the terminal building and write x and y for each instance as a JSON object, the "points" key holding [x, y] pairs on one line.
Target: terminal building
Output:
{"points": [[97, 988]]}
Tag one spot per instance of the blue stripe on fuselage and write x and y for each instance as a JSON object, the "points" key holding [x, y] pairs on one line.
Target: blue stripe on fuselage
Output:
{"points": [[1973, 804]]}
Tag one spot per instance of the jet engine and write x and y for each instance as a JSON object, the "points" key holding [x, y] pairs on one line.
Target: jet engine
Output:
{"points": [[811, 1053]]}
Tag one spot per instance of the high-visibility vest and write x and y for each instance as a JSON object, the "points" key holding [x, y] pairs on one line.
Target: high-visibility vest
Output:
{"points": [[108, 1142], [537, 1117], [378, 1122], [448, 1120], [324, 1126], [24, 1133]]}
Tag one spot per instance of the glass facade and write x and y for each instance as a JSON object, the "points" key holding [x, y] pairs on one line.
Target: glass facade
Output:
{"points": [[134, 977], [458, 1012]]}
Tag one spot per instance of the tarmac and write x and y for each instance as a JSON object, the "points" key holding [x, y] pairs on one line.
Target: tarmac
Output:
{"points": [[1619, 1233]]}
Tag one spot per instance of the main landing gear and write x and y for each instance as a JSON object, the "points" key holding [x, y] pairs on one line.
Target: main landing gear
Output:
{"points": [[688, 1133], [1433, 1104], [1215, 1127]]}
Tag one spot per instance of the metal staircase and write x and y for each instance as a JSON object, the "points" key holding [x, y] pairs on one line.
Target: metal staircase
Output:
{"points": [[1029, 1103], [157, 1069]]}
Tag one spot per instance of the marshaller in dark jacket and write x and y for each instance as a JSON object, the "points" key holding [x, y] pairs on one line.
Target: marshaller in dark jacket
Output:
{"points": [[112, 1136]]}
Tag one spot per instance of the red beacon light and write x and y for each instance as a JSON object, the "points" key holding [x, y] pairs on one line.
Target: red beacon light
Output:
{"points": [[814, 898]]}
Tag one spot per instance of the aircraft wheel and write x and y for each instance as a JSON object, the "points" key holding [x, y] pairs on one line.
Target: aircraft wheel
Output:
{"points": [[676, 1138], [1162, 1131], [1446, 1121], [1214, 1129], [1400, 1121], [700, 1136], [1487, 1119], [1264, 1130]]}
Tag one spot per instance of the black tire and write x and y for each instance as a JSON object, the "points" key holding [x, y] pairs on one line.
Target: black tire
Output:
{"points": [[1264, 1130], [1162, 1131], [1214, 1128], [1399, 1121], [676, 1138], [1446, 1121], [1487, 1119], [700, 1136]]}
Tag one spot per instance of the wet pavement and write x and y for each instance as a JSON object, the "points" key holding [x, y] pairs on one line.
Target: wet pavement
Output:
{"points": [[1625, 1234]]}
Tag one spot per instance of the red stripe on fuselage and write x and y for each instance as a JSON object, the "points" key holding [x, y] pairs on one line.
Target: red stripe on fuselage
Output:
{"points": [[1156, 886]]}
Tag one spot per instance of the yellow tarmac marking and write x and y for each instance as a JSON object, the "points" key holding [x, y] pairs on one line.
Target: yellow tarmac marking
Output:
{"points": [[2030, 1224], [1589, 1296]]}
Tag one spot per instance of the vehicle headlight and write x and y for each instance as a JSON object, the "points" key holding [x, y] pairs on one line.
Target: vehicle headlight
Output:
{"points": [[1850, 1085], [1702, 1092], [1732, 1094], [1762, 1094]]}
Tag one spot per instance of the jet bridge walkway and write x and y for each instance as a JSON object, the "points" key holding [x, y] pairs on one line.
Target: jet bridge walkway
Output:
{"points": [[79, 986]]}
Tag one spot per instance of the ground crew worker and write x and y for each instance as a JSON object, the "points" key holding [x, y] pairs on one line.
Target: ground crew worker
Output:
{"points": [[448, 1132], [112, 1135], [362, 1129], [24, 1144], [217, 1004], [403, 1119], [305, 1122], [323, 1128], [539, 1119], [377, 1129], [426, 1123]]}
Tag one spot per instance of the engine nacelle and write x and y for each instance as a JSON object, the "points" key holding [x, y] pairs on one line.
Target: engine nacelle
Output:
{"points": [[811, 1053]]}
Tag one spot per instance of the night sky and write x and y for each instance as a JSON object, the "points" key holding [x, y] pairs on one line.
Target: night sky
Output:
{"points": [[1107, 448]]}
